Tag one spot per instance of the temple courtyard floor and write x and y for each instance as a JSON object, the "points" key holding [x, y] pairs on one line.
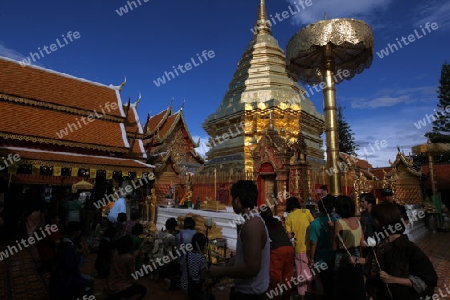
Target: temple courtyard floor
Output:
{"points": [[20, 279]]}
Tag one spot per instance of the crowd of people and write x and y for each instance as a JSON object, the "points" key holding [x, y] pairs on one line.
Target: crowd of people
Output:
{"points": [[325, 256], [267, 265]]}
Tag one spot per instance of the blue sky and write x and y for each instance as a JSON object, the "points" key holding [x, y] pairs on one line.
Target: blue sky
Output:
{"points": [[382, 103]]}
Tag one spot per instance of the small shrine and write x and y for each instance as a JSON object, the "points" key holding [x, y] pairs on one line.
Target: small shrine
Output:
{"points": [[171, 149], [405, 180], [280, 167]]}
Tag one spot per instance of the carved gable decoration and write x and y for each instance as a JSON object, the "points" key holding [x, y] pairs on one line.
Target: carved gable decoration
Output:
{"points": [[404, 164], [299, 151], [272, 149], [171, 158], [405, 180]]}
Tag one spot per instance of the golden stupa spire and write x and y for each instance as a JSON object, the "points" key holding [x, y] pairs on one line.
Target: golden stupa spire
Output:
{"points": [[262, 24]]}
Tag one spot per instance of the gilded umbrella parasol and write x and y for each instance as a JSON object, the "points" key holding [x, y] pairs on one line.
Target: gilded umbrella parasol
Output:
{"points": [[326, 53]]}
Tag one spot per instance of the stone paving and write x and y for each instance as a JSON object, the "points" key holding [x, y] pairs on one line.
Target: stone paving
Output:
{"points": [[19, 278]]}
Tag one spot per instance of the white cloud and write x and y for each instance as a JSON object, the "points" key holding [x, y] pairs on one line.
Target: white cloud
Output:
{"points": [[10, 53], [426, 90], [365, 10], [203, 148], [434, 11], [391, 97], [381, 102], [396, 131], [13, 54]]}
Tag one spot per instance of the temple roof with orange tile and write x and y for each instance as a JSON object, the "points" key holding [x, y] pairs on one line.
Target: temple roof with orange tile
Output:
{"points": [[159, 127], [155, 122], [39, 125], [32, 82], [47, 109]]}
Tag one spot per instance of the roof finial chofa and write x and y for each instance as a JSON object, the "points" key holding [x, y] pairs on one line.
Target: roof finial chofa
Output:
{"points": [[123, 84], [138, 100]]}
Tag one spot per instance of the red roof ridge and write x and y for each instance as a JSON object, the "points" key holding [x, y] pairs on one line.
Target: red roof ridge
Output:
{"points": [[138, 133], [133, 106], [165, 114], [112, 87], [138, 120], [174, 121], [188, 133]]}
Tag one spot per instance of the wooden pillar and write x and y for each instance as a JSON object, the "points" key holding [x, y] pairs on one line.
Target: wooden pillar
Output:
{"points": [[281, 184]]}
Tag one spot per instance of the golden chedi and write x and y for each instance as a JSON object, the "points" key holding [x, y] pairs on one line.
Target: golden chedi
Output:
{"points": [[261, 89]]}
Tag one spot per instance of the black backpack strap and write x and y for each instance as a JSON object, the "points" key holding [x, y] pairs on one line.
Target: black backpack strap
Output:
{"points": [[187, 263], [187, 271]]}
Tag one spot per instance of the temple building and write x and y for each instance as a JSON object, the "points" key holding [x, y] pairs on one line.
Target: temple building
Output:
{"points": [[262, 95], [405, 178], [61, 130], [170, 147]]}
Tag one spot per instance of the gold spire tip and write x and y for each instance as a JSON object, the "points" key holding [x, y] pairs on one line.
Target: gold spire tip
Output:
{"points": [[262, 14], [262, 23]]}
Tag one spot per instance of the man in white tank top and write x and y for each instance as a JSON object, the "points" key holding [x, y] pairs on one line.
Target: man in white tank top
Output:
{"points": [[250, 265]]}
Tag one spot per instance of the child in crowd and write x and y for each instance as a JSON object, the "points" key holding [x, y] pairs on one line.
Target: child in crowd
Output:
{"points": [[134, 218], [121, 226], [168, 235], [193, 268], [94, 234], [183, 237], [103, 261], [136, 232], [120, 284], [47, 246], [66, 280]]}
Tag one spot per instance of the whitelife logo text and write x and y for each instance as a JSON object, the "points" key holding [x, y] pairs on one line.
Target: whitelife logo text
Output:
{"points": [[53, 47], [187, 66]]}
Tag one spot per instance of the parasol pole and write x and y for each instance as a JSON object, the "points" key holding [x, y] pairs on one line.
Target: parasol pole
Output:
{"points": [[215, 184], [331, 129]]}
